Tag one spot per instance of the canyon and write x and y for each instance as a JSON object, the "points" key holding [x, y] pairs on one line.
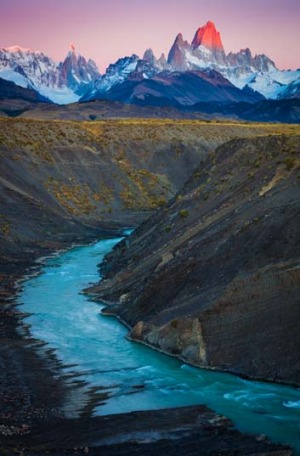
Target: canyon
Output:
{"points": [[214, 208]]}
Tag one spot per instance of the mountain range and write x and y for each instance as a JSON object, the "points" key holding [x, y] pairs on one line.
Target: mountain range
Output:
{"points": [[192, 73]]}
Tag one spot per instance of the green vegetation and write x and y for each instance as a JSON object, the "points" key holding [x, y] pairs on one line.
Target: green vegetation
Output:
{"points": [[290, 163], [133, 157], [5, 229], [183, 213], [75, 198], [174, 323]]}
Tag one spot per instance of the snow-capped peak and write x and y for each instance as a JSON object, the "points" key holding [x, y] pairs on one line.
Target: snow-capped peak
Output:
{"points": [[76, 77], [208, 36], [62, 83], [17, 48]]}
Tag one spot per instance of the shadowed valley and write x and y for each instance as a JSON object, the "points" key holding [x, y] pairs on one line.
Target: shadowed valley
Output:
{"points": [[215, 217]]}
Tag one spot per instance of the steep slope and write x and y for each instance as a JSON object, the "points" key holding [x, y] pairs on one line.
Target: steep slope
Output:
{"points": [[214, 277], [206, 50], [72, 176], [115, 74], [77, 73], [208, 37], [60, 179]]}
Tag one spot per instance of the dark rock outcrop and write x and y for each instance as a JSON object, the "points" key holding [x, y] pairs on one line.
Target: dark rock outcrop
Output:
{"points": [[11, 91], [244, 61], [180, 89], [213, 278], [77, 73]]}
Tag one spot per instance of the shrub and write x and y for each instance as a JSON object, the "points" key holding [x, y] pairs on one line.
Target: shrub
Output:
{"points": [[183, 213], [289, 163]]}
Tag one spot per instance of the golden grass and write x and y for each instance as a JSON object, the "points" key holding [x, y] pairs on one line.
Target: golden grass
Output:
{"points": [[35, 134], [124, 143]]}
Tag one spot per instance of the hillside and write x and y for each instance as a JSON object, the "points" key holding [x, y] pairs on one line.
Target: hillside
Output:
{"points": [[213, 278], [59, 178], [287, 111]]}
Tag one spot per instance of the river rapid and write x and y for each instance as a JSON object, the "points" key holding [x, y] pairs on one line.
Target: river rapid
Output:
{"points": [[132, 376]]}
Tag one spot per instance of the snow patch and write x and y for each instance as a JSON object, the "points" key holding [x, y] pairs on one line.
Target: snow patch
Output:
{"points": [[270, 84], [194, 61], [17, 49], [60, 96], [11, 75]]}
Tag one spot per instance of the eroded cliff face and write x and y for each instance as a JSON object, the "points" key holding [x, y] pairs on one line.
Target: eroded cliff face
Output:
{"points": [[214, 277]]}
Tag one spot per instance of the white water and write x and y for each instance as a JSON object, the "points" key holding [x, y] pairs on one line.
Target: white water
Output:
{"points": [[136, 377]]}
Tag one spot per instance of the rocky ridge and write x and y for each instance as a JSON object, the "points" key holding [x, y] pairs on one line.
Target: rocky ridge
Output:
{"points": [[206, 277]]}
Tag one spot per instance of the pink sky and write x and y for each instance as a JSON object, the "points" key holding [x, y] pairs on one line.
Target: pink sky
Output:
{"points": [[107, 30]]}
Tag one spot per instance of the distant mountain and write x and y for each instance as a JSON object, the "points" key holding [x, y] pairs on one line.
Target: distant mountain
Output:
{"points": [[147, 79], [78, 74], [179, 89], [241, 69], [286, 110], [205, 53], [62, 83], [292, 90]]}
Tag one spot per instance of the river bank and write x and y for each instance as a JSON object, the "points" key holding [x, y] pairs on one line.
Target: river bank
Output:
{"points": [[54, 428], [35, 394], [181, 431]]}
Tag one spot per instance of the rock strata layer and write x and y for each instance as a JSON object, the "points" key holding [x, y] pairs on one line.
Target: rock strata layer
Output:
{"points": [[213, 278]]}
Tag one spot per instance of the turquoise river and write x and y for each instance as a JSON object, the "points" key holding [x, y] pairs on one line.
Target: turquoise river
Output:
{"points": [[134, 376]]}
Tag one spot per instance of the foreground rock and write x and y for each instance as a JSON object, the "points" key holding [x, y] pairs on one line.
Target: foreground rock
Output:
{"points": [[214, 277], [183, 431]]}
